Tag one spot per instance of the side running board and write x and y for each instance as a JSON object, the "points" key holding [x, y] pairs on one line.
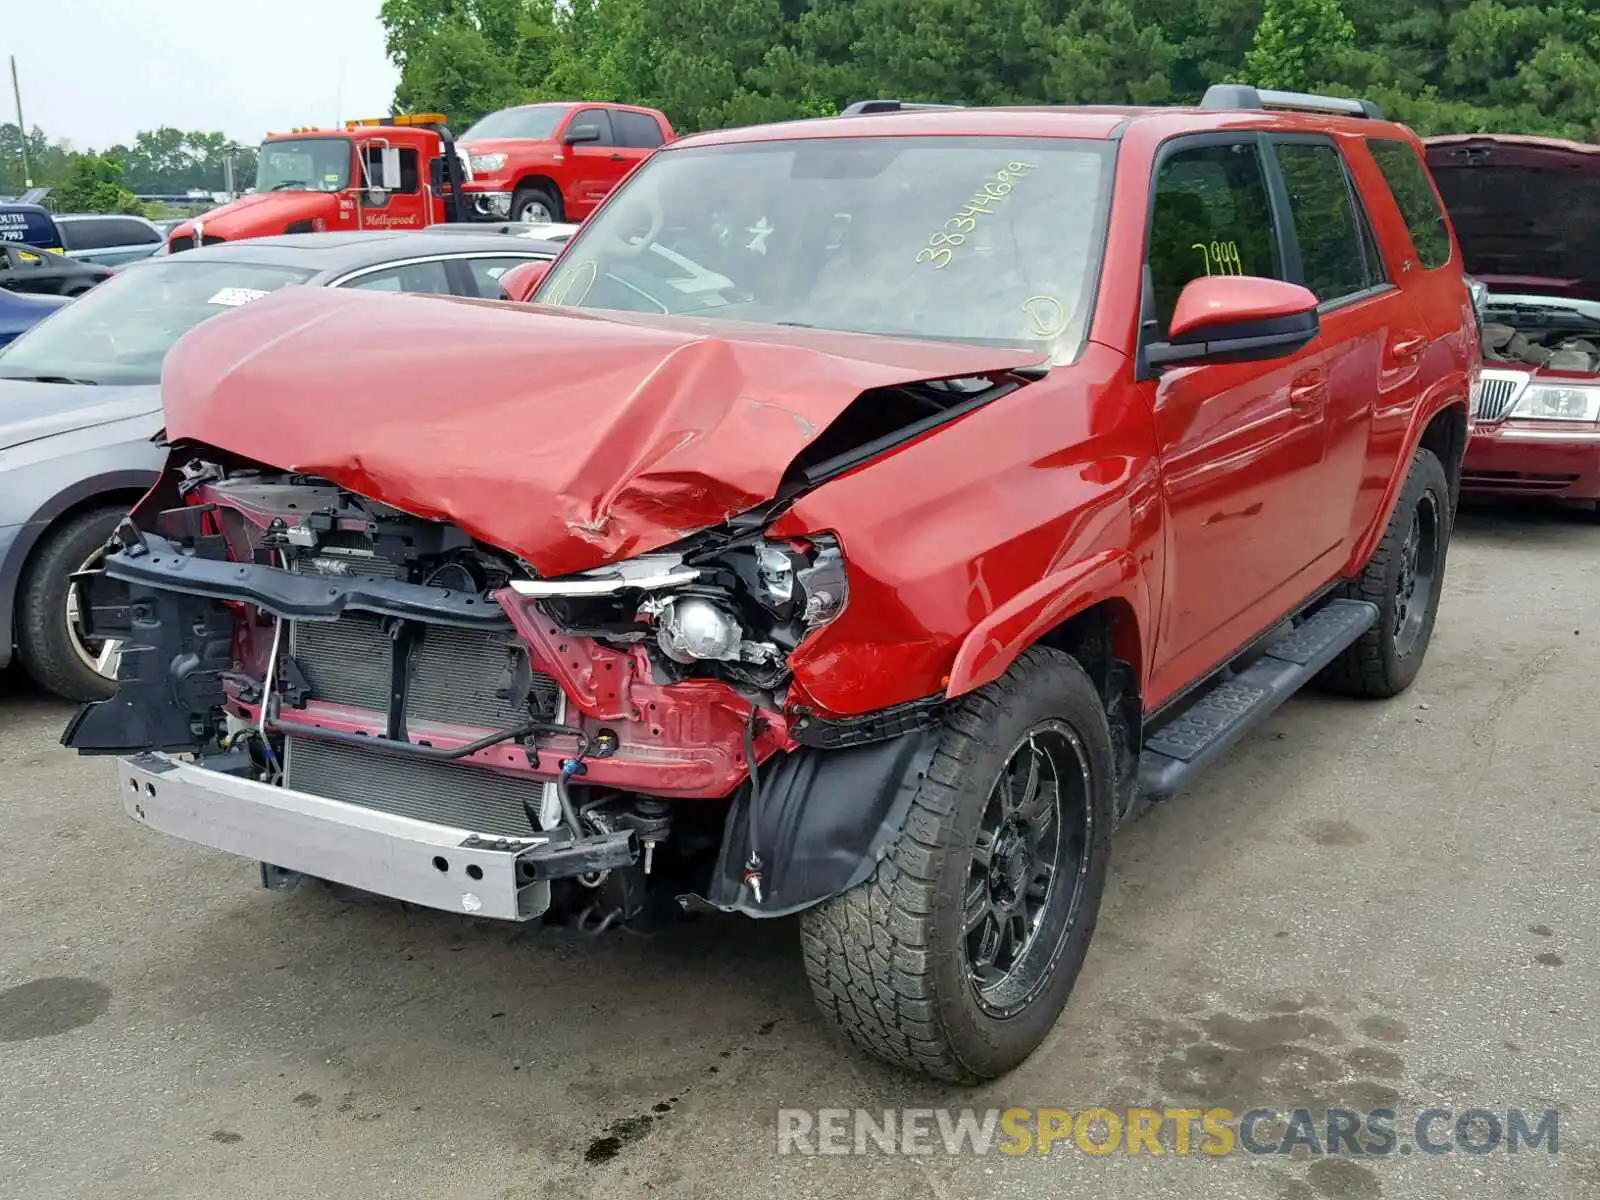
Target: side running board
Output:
{"points": [[1181, 749]]}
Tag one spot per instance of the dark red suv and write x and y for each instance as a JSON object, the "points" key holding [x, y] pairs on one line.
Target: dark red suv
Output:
{"points": [[871, 515]]}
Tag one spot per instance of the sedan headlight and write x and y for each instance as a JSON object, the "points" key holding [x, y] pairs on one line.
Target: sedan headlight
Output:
{"points": [[486, 162], [1543, 402]]}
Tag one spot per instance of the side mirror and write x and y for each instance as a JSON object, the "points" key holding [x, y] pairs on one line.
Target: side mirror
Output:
{"points": [[1236, 318], [582, 133], [520, 282]]}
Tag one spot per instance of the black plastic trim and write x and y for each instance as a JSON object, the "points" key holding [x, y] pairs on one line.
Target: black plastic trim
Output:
{"points": [[153, 561], [841, 733], [826, 818]]}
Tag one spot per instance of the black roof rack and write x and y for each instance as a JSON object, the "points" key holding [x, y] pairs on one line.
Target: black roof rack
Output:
{"points": [[1242, 95], [862, 108]]}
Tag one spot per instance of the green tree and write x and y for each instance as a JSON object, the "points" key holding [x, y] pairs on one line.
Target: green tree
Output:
{"points": [[1298, 43], [94, 185]]}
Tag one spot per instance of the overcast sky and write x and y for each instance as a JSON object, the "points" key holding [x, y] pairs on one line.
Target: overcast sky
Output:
{"points": [[97, 71]]}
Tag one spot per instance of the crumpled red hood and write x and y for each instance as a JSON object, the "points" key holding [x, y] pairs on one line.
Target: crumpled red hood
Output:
{"points": [[565, 437]]}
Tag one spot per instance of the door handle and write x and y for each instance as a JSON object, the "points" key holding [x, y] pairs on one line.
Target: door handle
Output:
{"points": [[616, 158], [1308, 393], [1408, 348]]}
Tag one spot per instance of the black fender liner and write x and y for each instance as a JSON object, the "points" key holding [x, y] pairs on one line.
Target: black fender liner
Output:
{"points": [[826, 818]]}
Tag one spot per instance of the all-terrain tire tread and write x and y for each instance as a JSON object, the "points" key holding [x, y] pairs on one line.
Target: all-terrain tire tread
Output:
{"points": [[866, 950]]}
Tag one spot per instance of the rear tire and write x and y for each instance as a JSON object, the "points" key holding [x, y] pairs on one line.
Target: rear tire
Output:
{"points": [[45, 642], [536, 204], [1404, 578], [902, 963]]}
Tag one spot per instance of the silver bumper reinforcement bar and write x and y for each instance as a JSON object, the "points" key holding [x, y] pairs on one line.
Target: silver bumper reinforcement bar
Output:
{"points": [[433, 865]]}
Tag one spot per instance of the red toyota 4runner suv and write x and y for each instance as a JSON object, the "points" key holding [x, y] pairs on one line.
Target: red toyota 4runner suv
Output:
{"points": [[874, 513], [544, 163]]}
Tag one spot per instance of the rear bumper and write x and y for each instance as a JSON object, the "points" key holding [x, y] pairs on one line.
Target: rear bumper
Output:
{"points": [[1526, 458], [436, 866]]}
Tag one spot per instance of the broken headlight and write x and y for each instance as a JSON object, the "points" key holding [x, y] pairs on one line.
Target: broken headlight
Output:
{"points": [[753, 604], [804, 580]]}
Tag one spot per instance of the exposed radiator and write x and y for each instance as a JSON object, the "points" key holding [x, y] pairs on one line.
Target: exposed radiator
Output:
{"points": [[453, 678], [466, 797]]}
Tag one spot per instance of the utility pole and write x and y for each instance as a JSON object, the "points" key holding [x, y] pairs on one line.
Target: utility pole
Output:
{"points": [[22, 128]]}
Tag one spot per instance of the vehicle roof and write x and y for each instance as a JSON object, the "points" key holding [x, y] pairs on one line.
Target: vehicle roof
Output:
{"points": [[1093, 122], [20, 206], [347, 251]]}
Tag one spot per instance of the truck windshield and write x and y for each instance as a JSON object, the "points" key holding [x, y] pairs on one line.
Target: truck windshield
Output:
{"points": [[119, 332], [990, 240], [319, 164], [531, 121]]}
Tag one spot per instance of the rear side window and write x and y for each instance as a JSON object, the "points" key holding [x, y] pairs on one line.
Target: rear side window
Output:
{"points": [[101, 233], [637, 129], [28, 226], [428, 277], [1333, 246], [1211, 217], [1414, 195]]}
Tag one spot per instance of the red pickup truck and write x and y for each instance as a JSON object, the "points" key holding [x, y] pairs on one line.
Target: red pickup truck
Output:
{"points": [[873, 513], [543, 163]]}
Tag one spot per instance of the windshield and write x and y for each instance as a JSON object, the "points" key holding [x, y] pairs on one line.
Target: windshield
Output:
{"points": [[120, 331], [991, 240], [536, 121], [304, 165]]}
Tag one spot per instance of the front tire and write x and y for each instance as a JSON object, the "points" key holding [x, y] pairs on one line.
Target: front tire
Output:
{"points": [[957, 956], [49, 639], [534, 204], [1404, 578]]}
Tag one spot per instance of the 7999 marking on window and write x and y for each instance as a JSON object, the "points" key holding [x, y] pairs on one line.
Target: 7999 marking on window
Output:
{"points": [[1221, 258]]}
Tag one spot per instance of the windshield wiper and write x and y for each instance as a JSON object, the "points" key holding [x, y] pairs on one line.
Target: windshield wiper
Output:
{"points": [[288, 183], [53, 379]]}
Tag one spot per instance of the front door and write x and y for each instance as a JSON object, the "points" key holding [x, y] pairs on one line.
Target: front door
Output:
{"points": [[392, 195], [597, 166], [1241, 443]]}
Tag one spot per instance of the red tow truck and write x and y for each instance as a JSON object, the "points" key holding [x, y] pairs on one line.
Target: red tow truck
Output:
{"points": [[401, 172]]}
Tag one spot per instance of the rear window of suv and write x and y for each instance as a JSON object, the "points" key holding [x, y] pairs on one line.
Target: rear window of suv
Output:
{"points": [[1418, 203]]}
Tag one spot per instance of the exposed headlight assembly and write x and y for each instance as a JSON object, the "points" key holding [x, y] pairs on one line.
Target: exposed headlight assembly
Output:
{"points": [[1546, 402], [802, 581], [784, 591]]}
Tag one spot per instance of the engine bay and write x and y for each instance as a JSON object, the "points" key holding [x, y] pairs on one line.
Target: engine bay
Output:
{"points": [[1554, 336]]}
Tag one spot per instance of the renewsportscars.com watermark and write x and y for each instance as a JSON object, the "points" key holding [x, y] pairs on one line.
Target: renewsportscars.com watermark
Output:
{"points": [[1378, 1132]]}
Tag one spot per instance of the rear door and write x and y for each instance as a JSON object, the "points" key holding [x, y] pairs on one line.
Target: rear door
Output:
{"points": [[1334, 254], [1240, 443], [640, 135]]}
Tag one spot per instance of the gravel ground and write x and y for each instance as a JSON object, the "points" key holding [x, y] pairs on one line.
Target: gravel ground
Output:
{"points": [[1368, 905]]}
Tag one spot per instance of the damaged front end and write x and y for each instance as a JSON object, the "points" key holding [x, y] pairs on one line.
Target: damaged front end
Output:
{"points": [[344, 691]]}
